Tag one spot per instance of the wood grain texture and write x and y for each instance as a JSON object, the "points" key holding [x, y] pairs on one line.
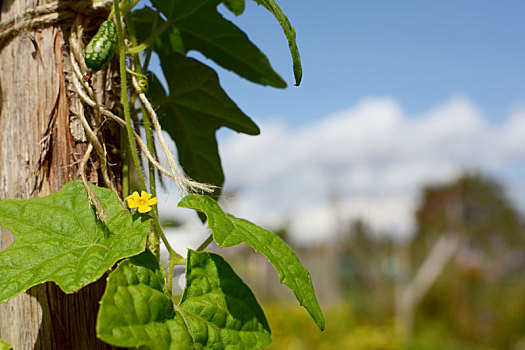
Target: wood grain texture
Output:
{"points": [[38, 156]]}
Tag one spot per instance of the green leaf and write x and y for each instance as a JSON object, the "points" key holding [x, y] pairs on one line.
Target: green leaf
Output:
{"points": [[235, 6], [146, 21], [217, 310], [204, 29], [229, 231], [196, 108], [289, 32], [59, 238], [5, 346]]}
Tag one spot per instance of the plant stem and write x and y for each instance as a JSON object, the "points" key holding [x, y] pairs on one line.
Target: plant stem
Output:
{"points": [[145, 115], [206, 243], [175, 258], [170, 277], [158, 229], [154, 237], [147, 58], [124, 94], [125, 163]]}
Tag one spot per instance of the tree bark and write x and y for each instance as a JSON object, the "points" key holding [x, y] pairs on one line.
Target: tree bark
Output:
{"points": [[38, 155]]}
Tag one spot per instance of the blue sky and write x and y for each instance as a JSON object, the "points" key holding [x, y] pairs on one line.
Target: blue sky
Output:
{"points": [[420, 53]]}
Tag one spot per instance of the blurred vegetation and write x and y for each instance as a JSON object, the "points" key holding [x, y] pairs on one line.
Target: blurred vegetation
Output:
{"points": [[292, 329], [481, 293], [477, 300]]}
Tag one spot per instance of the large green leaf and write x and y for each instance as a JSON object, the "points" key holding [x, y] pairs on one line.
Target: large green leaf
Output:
{"points": [[204, 29], [289, 32], [229, 231], [217, 310], [5, 346], [196, 107], [59, 238]]}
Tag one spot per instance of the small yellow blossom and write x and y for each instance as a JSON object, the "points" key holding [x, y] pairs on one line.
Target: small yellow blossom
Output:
{"points": [[142, 202]]}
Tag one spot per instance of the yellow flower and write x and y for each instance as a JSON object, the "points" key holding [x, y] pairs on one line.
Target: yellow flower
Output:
{"points": [[142, 202]]}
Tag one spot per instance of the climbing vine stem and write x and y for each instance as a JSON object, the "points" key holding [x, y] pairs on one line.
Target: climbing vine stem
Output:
{"points": [[125, 163], [174, 256], [124, 94], [206, 243], [154, 237]]}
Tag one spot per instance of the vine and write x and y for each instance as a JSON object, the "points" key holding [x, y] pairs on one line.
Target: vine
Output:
{"points": [[93, 229]]}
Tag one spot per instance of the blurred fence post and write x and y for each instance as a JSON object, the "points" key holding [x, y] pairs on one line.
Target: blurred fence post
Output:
{"points": [[425, 277]]}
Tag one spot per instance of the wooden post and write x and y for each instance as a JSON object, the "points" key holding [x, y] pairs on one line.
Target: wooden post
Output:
{"points": [[38, 155], [442, 252]]}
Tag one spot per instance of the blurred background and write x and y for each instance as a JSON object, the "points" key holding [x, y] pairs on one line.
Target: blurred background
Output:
{"points": [[396, 170]]}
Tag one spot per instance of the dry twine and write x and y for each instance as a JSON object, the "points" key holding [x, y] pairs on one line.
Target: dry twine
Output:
{"points": [[84, 91]]}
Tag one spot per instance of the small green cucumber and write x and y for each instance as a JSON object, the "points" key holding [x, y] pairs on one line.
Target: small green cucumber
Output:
{"points": [[102, 47]]}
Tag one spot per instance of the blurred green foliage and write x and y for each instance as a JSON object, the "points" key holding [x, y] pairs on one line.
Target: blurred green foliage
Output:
{"points": [[293, 330], [481, 293]]}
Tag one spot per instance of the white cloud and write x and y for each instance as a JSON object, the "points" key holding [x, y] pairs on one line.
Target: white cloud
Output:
{"points": [[368, 161], [371, 158]]}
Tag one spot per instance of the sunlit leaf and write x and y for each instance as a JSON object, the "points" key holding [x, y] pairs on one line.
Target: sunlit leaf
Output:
{"points": [[229, 231], [59, 238], [217, 310], [5, 346], [289, 32], [204, 29]]}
